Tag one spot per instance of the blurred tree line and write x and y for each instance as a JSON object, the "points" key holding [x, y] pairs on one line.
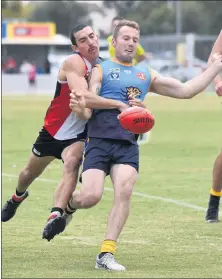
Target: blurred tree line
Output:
{"points": [[154, 17], [158, 17]]}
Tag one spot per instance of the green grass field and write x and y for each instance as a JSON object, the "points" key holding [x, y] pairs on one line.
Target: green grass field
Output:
{"points": [[165, 236]]}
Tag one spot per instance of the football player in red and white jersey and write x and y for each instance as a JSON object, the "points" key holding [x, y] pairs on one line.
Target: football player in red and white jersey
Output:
{"points": [[63, 134]]}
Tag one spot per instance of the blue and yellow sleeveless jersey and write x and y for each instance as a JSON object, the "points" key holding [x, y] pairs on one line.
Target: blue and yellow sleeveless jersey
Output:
{"points": [[118, 82]]}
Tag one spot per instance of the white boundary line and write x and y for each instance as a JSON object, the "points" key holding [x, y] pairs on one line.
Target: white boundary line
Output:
{"points": [[139, 194]]}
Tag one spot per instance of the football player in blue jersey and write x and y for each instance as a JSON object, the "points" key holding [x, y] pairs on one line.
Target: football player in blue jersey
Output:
{"points": [[111, 149]]}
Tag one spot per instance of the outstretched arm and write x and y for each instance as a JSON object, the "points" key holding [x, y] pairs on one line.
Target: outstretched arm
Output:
{"points": [[171, 87]]}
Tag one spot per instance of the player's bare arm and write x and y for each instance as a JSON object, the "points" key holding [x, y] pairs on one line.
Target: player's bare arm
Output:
{"points": [[171, 87], [92, 99], [95, 82], [217, 49], [74, 71]]}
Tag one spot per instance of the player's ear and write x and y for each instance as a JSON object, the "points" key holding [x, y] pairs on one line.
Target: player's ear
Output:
{"points": [[113, 42], [74, 48]]}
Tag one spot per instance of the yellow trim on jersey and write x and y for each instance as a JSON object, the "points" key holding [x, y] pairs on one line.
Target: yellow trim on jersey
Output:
{"points": [[114, 59]]}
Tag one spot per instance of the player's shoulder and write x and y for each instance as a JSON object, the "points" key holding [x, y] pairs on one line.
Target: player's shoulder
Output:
{"points": [[74, 58], [74, 62], [153, 73]]}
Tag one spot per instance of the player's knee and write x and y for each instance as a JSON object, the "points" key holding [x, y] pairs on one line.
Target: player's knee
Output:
{"points": [[91, 199], [125, 192], [72, 164]]}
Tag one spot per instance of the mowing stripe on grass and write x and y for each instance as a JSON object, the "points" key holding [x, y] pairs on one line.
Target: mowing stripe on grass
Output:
{"points": [[143, 195]]}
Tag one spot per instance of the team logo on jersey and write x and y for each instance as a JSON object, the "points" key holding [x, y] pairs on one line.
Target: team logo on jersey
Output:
{"points": [[114, 73], [141, 76], [131, 92]]}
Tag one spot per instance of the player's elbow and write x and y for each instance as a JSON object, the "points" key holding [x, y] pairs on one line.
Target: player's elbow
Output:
{"points": [[187, 91]]}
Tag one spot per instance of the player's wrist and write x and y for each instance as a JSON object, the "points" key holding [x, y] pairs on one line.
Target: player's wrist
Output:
{"points": [[122, 106]]}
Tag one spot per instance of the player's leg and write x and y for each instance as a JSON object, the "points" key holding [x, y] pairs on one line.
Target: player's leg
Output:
{"points": [[123, 177], [94, 169], [91, 189], [42, 155], [29, 173], [215, 192], [71, 156], [89, 195]]}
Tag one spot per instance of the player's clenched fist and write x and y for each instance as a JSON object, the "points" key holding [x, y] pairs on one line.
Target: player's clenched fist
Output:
{"points": [[77, 101], [216, 60]]}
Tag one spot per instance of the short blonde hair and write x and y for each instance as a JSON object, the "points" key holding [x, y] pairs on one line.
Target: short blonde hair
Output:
{"points": [[128, 23]]}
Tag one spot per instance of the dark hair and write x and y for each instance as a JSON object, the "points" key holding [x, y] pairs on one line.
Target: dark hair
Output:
{"points": [[117, 18], [128, 23], [75, 29]]}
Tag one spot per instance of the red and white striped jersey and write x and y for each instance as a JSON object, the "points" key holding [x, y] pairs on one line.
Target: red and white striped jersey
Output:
{"points": [[60, 121]]}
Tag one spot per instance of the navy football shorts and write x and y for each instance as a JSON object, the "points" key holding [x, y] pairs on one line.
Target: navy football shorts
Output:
{"points": [[102, 154], [46, 145]]}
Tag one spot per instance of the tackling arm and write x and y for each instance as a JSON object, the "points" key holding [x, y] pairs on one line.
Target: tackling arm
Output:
{"points": [[81, 99], [96, 102], [75, 74]]}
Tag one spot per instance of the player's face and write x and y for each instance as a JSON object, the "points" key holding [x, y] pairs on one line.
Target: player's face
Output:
{"points": [[126, 44], [87, 43]]}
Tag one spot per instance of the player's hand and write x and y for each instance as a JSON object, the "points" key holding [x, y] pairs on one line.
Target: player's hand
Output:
{"points": [[77, 102], [122, 107], [136, 102], [218, 88], [217, 61], [76, 93], [213, 57]]}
